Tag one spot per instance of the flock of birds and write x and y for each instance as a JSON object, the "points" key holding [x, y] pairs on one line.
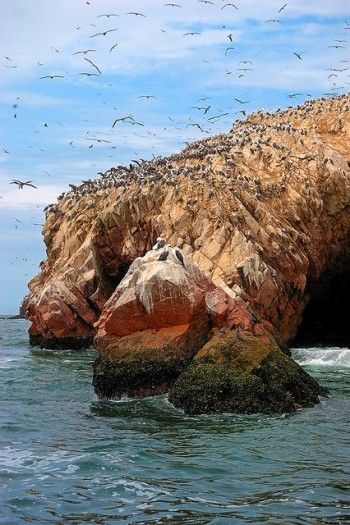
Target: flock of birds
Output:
{"points": [[251, 142], [161, 169]]}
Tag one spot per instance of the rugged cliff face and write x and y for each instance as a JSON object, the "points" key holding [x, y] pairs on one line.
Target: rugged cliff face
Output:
{"points": [[263, 211], [260, 217]]}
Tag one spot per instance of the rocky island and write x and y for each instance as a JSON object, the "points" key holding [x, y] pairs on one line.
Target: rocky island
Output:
{"points": [[190, 274]]}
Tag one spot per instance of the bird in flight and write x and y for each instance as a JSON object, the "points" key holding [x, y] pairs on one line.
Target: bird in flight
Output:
{"points": [[191, 33], [93, 65], [113, 47], [136, 14], [173, 5], [273, 20], [21, 184], [52, 76], [104, 33], [297, 55], [242, 101], [281, 9], [111, 14], [233, 5], [128, 118], [199, 127], [147, 96], [84, 52]]}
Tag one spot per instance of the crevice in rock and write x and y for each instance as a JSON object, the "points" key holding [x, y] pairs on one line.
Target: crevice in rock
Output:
{"points": [[325, 320]]}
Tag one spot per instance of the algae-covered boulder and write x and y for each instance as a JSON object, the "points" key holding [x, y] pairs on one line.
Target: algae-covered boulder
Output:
{"points": [[243, 374]]}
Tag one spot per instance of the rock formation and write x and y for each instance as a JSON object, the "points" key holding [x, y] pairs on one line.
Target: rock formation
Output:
{"points": [[263, 211]]}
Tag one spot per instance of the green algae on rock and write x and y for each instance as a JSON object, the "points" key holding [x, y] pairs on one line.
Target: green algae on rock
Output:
{"points": [[243, 376]]}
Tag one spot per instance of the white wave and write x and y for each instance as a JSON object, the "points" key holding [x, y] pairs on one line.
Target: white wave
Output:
{"points": [[325, 356]]}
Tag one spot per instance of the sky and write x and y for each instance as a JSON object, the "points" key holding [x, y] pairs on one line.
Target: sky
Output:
{"points": [[87, 85]]}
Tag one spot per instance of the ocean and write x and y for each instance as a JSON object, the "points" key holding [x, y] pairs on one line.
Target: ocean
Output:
{"points": [[68, 458]]}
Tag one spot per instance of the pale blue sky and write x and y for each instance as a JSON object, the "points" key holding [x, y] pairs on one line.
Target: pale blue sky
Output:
{"points": [[58, 131]]}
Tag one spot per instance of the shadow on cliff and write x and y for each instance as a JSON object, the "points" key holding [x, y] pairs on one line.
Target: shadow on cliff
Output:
{"points": [[325, 320]]}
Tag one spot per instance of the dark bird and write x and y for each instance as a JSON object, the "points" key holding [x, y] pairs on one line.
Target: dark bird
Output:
{"points": [[163, 256], [101, 140], [128, 118], [21, 184], [228, 49], [174, 5], [179, 256], [230, 37], [147, 96], [239, 336], [113, 47], [104, 33], [281, 8], [111, 14], [297, 55], [52, 76], [245, 62], [242, 101], [159, 244], [206, 2], [337, 47], [232, 5], [199, 127], [93, 65], [191, 33], [273, 20], [85, 52], [89, 74], [136, 14]]}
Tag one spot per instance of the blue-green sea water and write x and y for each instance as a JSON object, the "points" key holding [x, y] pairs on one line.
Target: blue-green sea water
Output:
{"points": [[68, 458]]}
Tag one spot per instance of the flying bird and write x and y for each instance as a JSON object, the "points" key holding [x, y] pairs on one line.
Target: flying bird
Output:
{"points": [[191, 33], [113, 47], [85, 52], [228, 49], [52, 76], [233, 5], [281, 9], [297, 55], [242, 101], [128, 118], [273, 20], [199, 127], [21, 184], [136, 14], [147, 96], [174, 5], [93, 65], [104, 33], [111, 14]]}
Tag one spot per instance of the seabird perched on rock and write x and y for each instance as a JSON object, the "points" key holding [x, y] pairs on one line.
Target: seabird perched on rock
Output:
{"points": [[159, 244], [179, 256], [163, 256]]}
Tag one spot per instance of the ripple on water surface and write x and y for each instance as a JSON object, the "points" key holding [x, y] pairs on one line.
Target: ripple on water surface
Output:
{"points": [[67, 458]]}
